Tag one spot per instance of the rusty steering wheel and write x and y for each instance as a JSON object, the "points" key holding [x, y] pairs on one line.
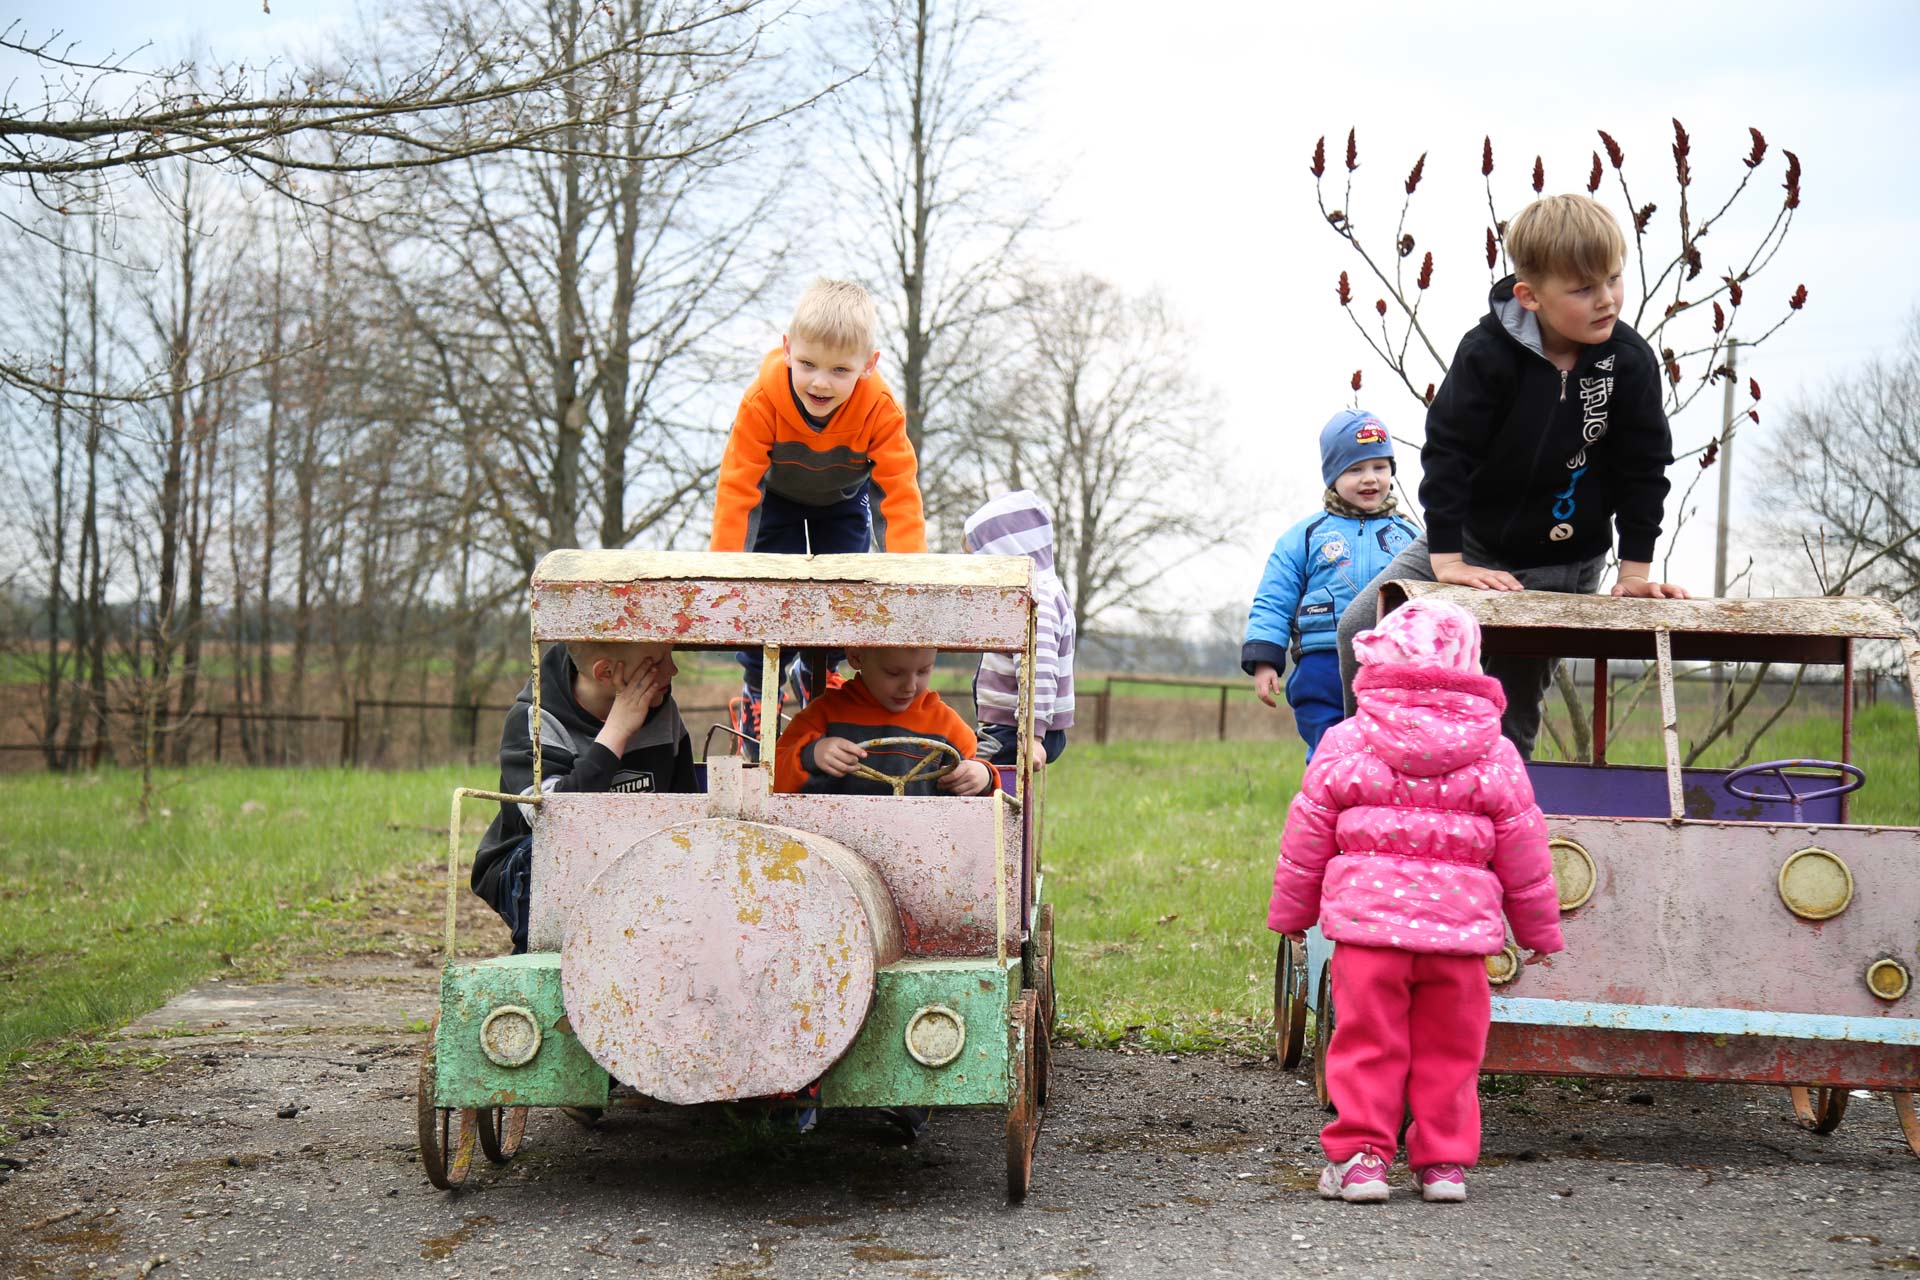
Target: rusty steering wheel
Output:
{"points": [[919, 773]]}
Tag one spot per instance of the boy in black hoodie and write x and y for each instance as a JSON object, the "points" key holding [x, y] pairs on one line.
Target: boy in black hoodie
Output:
{"points": [[1546, 435], [607, 723]]}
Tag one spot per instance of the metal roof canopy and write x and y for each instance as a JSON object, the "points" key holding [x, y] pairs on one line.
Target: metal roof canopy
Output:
{"points": [[1550, 624], [736, 599]]}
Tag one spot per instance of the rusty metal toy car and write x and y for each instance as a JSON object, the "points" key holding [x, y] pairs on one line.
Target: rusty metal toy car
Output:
{"points": [[736, 944]]}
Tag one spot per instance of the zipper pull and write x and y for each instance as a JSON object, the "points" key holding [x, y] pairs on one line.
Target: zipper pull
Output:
{"points": [[1563, 386]]}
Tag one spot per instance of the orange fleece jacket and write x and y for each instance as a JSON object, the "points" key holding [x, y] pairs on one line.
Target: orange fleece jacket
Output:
{"points": [[852, 712], [772, 448]]}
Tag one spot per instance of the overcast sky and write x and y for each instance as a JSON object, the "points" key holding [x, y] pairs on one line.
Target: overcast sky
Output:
{"points": [[1180, 136]]}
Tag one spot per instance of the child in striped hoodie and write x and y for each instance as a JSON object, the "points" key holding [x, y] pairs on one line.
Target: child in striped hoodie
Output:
{"points": [[1017, 524]]}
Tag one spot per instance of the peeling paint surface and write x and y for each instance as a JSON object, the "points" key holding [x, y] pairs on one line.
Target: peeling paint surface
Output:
{"points": [[725, 959], [933, 852]]}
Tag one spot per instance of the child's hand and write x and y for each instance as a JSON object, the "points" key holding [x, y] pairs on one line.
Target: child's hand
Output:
{"points": [[1540, 957], [1266, 682], [836, 757], [636, 693], [1456, 572], [1642, 589], [972, 778], [1296, 935], [1038, 753]]}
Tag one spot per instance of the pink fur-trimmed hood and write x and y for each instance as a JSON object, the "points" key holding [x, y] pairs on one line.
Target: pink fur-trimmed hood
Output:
{"points": [[1427, 720]]}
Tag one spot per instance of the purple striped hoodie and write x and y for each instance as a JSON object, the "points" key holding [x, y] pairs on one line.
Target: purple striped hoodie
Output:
{"points": [[1017, 524]]}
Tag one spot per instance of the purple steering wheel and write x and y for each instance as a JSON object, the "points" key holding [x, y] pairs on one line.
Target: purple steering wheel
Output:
{"points": [[1846, 778]]}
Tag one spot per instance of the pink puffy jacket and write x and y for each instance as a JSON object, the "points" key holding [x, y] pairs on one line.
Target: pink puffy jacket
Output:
{"points": [[1415, 824]]}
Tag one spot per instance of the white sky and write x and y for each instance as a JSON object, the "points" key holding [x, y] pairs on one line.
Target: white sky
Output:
{"points": [[1180, 136]]}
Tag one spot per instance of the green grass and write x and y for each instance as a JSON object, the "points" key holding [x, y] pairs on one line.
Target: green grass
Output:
{"points": [[106, 917]]}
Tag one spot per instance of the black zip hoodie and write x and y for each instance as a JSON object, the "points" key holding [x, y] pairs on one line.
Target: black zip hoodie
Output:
{"points": [[659, 757], [1537, 464]]}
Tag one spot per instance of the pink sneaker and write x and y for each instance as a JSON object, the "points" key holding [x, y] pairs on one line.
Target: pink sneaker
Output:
{"points": [[1361, 1180], [1443, 1183]]}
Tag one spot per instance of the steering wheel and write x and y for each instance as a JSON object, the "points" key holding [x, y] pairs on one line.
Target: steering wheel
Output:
{"points": [[1846, 778], [899, 782]]}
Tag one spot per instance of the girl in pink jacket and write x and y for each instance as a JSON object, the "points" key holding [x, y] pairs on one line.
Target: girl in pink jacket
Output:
{"points": [[1414, 828]]}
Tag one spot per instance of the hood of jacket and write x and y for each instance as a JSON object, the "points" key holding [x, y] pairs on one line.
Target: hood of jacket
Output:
{"points": [[1013, 524], [1426, 721]]}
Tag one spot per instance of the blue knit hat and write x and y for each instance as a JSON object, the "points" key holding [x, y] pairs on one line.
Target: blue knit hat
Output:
{"points": [[1350, 436]]}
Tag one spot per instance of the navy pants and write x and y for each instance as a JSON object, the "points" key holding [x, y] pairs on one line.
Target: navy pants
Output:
{"points": [[515, 901], [789, 528], [1314, 693], [1000, 743]]}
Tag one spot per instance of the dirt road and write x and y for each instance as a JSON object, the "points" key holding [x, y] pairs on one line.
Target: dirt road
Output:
{"points": [[264, 1128]]}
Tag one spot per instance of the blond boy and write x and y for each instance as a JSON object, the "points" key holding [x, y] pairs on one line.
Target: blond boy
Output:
{"points": [[1547, 437]]}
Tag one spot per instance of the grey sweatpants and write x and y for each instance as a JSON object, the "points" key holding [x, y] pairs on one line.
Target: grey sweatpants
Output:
{"points": [[1525, 680]]}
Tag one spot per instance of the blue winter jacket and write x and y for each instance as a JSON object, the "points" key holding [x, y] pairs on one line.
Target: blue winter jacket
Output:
{"points": [[1316, 569]]}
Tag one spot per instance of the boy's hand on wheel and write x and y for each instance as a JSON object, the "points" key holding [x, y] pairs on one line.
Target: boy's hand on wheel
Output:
{"points": [[1266, 682], [835, 757], [972, 778]]}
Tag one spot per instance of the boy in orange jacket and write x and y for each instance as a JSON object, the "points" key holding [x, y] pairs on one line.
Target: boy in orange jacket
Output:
{"points": [[888, 697], [818, 461]]}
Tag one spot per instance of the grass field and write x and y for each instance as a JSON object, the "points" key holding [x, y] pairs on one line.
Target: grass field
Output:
{"points": [[1159, 858]]}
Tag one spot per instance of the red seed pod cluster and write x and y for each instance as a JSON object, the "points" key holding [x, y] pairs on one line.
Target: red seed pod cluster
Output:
{"points": [[1755, 415], [1492, 249], [1692, 258], [1759, 151], [1426, 274], [1734, 291], [1429, 396], [1486, 157], [1353, 152], [1719, 318], [1673, 364], [1319, 165], [1793, 180], [1406, 246], [1753, 390], [1380, 305], [1356, 379], [1709, 454], [1419, 166], [1642, 218], [1593, 175], [1345, 291], [1682, 148], [1539, 175], [1799, 298], [1615, 156]]}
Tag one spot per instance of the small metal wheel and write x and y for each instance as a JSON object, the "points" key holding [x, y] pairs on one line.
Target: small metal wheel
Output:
{"points": [[502, 1130], [1909, 1122], [1023, 1112], [1289, 1003], [1819, 1109], [447, 1134], [1043, 992], [1323, 1035]]}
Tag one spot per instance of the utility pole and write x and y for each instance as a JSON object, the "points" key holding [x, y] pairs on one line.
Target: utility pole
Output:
{"points": [[1726, 495]]}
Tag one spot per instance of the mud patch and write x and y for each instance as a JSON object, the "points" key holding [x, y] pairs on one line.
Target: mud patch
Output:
{"points": [[440, 1248]]}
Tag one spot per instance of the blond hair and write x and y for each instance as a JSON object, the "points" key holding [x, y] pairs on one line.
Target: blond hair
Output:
{"points": [[1571, 236], [837, 314], [587, 652]]}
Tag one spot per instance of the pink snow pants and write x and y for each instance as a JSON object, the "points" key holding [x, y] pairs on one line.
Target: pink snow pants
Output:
{"points": [[1410, 1031]]}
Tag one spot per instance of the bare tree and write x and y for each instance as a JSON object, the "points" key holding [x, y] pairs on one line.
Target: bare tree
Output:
{"points": [[1847, 467], [1100, 417], [941, 210]]}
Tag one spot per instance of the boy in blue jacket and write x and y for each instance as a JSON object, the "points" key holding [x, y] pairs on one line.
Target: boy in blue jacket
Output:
{"points": [[1318, 567]]}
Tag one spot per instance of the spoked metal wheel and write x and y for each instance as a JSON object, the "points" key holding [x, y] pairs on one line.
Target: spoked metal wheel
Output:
{"points": [[1045, 1015], [1820, 1110], [502, 1130], [1289, 1003], [1023, 1109], [447, 1134], [1323, 1035]]}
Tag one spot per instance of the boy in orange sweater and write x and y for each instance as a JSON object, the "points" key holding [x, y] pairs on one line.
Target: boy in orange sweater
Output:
{"points": [[887, 698], [818, 461]]}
